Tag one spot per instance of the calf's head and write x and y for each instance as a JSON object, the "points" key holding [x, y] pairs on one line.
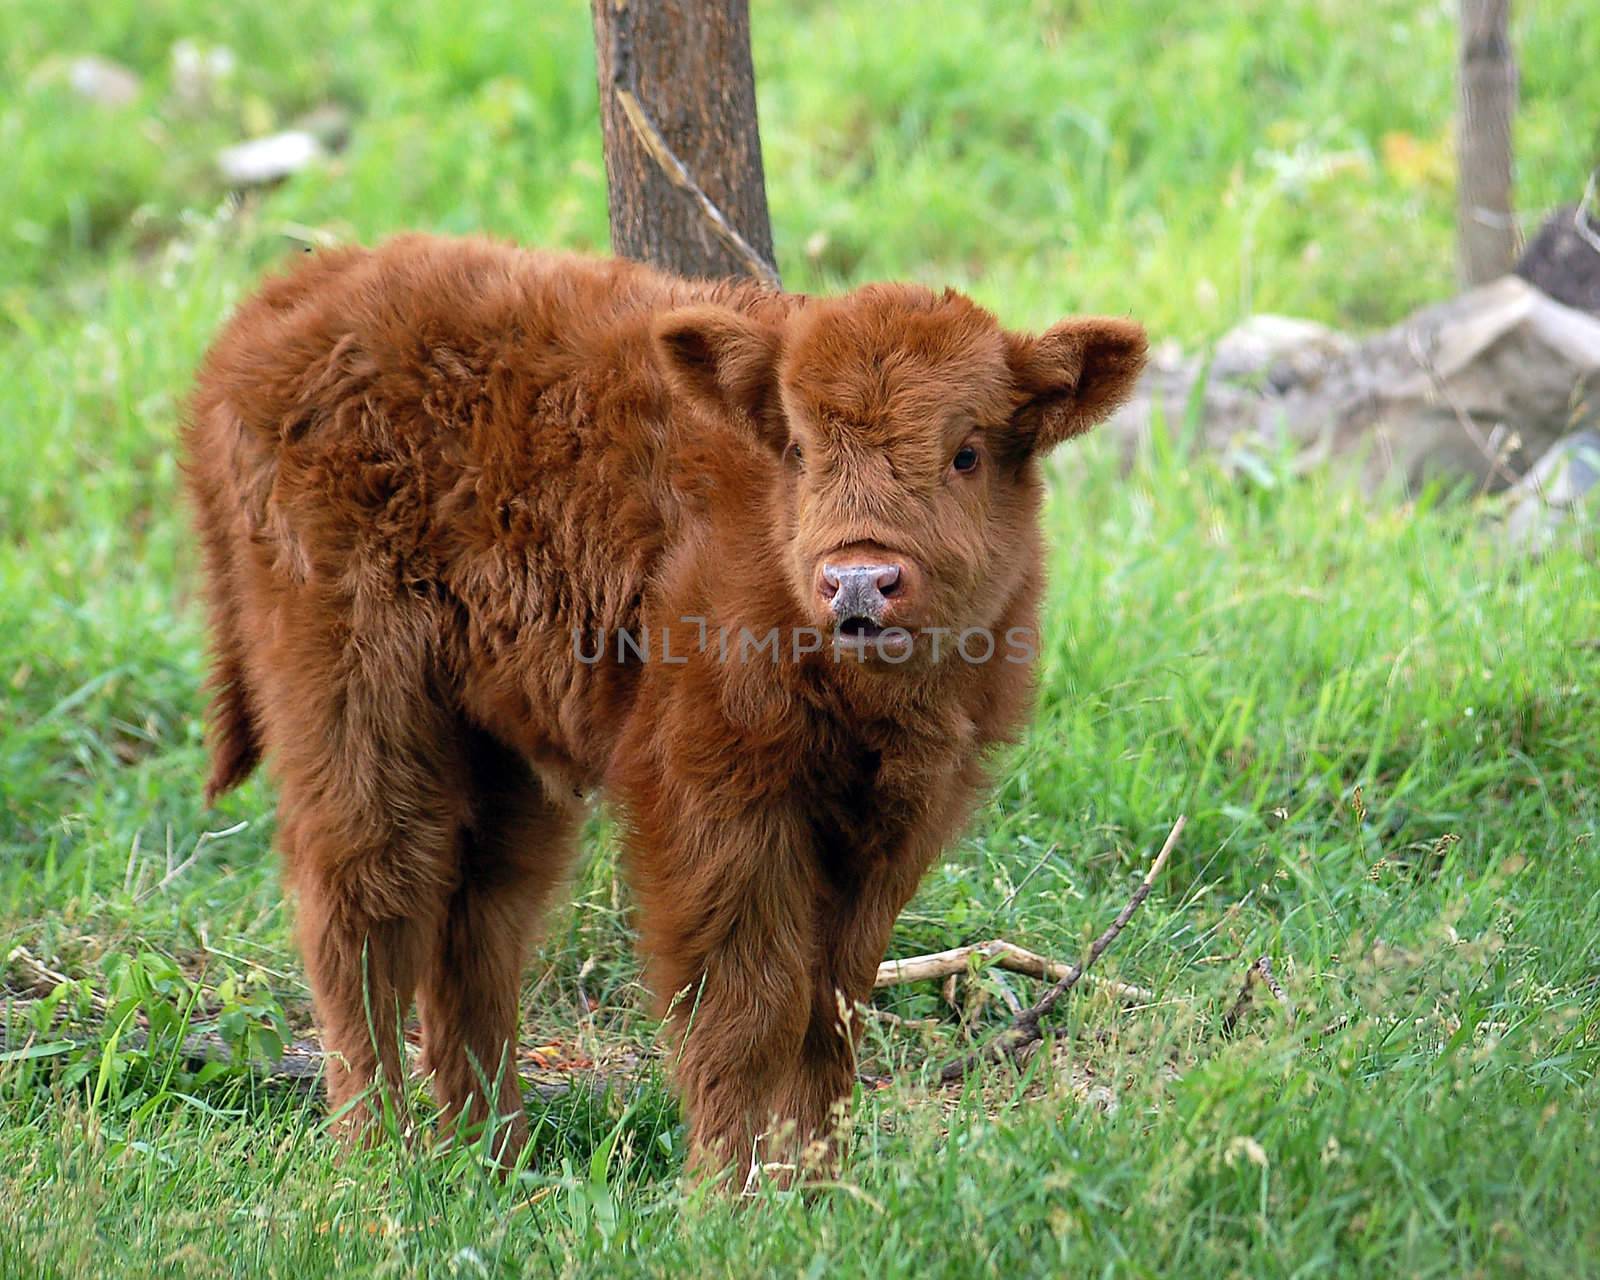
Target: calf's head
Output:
{"points": [[907, 425]]}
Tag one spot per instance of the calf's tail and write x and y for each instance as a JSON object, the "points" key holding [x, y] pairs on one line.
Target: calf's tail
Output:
{"points": [[233, 723], [232, 732]]}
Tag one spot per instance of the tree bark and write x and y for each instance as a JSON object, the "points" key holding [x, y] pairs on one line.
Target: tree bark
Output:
{"points": [[682, 146], [1486, 234]]}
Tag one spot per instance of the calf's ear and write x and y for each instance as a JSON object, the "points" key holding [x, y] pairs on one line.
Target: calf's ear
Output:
{"points": [[1072, 376], [722, 359]]}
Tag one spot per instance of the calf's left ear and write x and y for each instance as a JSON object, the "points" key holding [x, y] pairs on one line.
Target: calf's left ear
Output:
{"points": [[723, 359], [1073, 376]]}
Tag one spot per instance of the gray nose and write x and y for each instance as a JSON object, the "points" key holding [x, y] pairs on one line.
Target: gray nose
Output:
{"points": [[861, 590]]}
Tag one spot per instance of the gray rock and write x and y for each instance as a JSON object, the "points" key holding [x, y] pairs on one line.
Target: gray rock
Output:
{"points": [[329, 124], [1276, 351], [1564, 258], [264, 160], [1473, 389], [1560, 491]]}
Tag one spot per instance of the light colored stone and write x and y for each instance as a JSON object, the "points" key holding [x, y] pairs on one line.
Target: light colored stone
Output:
{"points": [[1266, 348], [268, 159], [198, 70], [102, 81]]}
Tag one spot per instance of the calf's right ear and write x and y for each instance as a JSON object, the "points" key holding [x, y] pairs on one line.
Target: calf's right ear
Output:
{"points": [[724, 360]]}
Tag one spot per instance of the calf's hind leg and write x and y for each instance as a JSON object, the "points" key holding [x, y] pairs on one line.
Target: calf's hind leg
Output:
{"points": [[515, 847], [371, 804], [371, 895]]}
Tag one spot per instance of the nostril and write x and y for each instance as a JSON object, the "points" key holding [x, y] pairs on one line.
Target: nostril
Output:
{"points": [[889, 579], [829, 586]]}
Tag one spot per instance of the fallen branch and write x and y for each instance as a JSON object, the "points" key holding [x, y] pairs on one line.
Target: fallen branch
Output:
{"points": [[298, 1068], [895, 1020], [1025, 1028], [41, 979], [1002, 955]]}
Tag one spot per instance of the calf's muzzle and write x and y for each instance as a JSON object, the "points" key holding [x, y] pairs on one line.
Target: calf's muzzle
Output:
{"points": [[860, 590]]}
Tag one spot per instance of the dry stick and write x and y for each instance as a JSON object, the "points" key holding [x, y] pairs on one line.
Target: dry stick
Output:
{"points": [[173, 872], [1002, 955], [42, 979], [1580, 215], [1260, 971], [895, 1020], [1025, 1028], [1264, 968], [298, 1070]]}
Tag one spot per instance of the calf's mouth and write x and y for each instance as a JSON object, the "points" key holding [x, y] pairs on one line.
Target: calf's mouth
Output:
{"points": [[858, 629], [863, 637]]}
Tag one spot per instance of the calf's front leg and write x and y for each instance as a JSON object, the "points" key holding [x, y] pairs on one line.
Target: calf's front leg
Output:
{"points": [[853, 925], [857, 905], [727, 926]]}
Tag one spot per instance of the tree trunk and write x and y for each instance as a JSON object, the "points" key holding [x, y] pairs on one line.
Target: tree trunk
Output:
{"points": [[1486, 235], [682, 147]]}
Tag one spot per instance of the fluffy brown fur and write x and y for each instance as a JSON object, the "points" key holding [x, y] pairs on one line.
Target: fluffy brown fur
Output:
{"points": [[435, 479]]}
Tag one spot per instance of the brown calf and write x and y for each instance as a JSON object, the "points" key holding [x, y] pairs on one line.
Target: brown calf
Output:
{"points": [[486, 529]]}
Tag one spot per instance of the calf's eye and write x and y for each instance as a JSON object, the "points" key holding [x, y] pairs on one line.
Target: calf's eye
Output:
{"points": [[793, 454], [966, 458]]}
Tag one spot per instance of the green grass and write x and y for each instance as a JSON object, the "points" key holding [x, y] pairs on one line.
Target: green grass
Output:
{"points": [[1382, 724]]}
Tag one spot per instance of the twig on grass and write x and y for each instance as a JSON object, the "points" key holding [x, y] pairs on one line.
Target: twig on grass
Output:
{"points": [[173, 872], [42, 979], [1025, 1028], [1259, 972], [298, 1068], [1002, 955], [896, 1020]]}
